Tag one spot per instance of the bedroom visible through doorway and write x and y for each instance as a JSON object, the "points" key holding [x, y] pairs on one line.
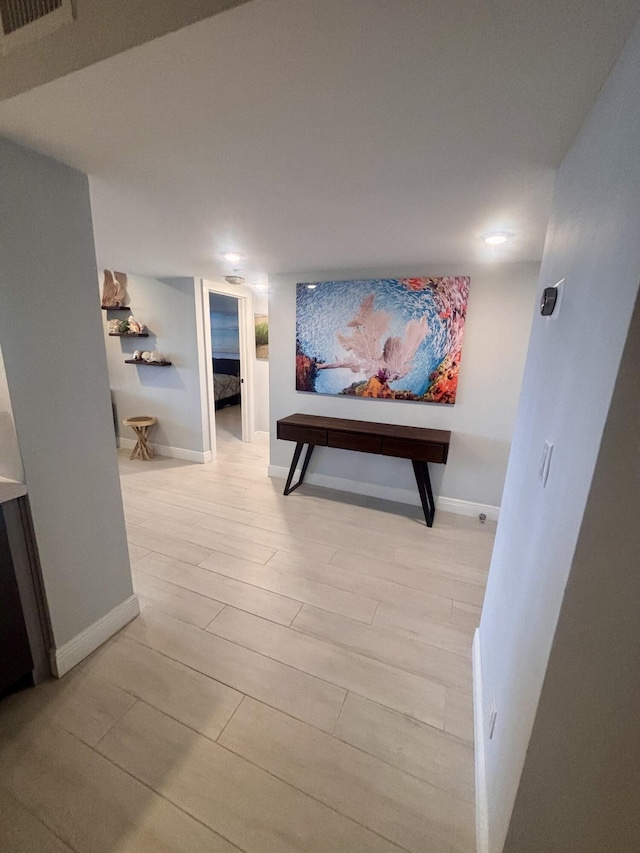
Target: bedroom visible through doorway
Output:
{"points": [[226, 365]]}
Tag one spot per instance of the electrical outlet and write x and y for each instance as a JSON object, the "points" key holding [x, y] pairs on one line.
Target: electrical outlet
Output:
{"points": [[545, 463], [493, 715]]}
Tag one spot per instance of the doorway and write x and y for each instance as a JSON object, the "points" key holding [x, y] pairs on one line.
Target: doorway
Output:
{"points": [[225, 359], [228, 368]]}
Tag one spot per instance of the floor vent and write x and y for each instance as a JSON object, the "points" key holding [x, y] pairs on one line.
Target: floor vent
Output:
{"points": [[24, 21]]}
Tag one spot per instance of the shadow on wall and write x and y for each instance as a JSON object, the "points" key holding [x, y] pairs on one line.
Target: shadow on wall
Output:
{"points": [[487, 457], [159, 377]]}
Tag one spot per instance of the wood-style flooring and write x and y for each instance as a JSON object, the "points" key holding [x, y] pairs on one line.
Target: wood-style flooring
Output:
{"points": [[299, 678]]}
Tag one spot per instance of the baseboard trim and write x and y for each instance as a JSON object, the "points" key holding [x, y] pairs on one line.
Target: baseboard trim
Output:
{"points": [[404, 496], [482, 817], [87, 641], [471, 508], [173, 452]]}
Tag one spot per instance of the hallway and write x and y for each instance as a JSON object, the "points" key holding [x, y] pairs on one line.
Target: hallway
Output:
{"points": [[299, 679]]}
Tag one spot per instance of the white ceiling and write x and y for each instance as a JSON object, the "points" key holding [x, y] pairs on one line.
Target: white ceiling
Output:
{"points": [[321, 134]]}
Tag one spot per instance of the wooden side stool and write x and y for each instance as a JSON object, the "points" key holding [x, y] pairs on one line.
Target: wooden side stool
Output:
{"points": [[141, 426]]}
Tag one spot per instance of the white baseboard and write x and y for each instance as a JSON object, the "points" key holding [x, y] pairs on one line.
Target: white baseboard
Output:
{"points": [[458, 507], [482, 817], [173, 452], [87, 641], [389, 493]]}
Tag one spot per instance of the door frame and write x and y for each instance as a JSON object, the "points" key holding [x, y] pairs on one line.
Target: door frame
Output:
{"points": [[247, 335]]}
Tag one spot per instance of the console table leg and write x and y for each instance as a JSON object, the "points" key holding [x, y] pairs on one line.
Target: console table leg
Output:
{"points": [[296, 456], [427, 482], [305, 464], [292, 469], [421, 471]]}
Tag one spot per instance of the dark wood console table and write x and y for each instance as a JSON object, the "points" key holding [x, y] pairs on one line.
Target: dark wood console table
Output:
{"points": [[419, 445]]}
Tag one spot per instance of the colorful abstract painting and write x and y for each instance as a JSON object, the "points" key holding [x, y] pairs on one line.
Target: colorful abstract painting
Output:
{"points": [[393, 339]]}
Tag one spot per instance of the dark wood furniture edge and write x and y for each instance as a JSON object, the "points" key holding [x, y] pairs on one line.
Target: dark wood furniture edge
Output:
{"points": [[385, 430], [410, 443], [148, 363]]}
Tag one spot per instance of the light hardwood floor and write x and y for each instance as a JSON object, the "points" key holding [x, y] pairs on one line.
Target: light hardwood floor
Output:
{"points": [[299, 678]]}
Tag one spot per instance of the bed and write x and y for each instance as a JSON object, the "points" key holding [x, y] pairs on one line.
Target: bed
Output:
{"points": [[226, 382]]}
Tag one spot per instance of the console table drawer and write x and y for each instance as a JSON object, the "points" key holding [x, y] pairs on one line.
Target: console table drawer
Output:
{"points": [[354, 441], [302, 434], [419, 450]]}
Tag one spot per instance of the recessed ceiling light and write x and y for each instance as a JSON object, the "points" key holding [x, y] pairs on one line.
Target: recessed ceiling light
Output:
{"points": [[496, 238], [312, 286], [232, 257]]}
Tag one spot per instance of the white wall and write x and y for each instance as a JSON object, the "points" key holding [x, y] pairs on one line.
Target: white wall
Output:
{"points": [[261, 373], [567, 387], [500, 307], [582, 771], [57, 376], [10, 461], [171, 394]]}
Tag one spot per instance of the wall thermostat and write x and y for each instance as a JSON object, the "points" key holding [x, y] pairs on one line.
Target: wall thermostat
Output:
{"points": [[548, 301]]}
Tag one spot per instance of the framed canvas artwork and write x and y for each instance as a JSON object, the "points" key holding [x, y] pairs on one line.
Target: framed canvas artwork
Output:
{"points": [[392, 339], [261, 322]]}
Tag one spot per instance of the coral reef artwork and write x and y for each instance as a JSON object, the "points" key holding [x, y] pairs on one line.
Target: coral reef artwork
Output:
{"points": [[392, 339]]}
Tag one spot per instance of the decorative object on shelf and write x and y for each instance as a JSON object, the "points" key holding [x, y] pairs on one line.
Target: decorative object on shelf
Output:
{"points": [[154, 359], [141, 426], [130, 327], [114, 290], [401, 337]]}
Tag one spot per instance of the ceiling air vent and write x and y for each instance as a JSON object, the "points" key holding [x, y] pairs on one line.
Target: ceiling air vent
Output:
{"points": [[25, 21]]}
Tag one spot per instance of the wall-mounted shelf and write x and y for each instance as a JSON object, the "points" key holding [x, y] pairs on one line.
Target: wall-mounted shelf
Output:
{"points": [[128, 334], [148, 363], [122, 308]]}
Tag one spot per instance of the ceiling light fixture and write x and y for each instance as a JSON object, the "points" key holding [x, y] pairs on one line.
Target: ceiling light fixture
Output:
{"points": [[232, 257], [312, 286], [496, 238]]}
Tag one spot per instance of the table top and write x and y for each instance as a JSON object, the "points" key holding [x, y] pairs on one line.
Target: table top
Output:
{"points": [[141, 420], [409, 433]]}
